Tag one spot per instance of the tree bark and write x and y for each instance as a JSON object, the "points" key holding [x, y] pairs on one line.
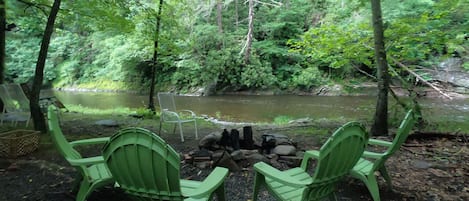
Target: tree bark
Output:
{"points": [[219, 16], [2, 42], [151, 102], [2, 45], [236, 14], [247, 54], [219, 21], [36, 113], [380, 124]]}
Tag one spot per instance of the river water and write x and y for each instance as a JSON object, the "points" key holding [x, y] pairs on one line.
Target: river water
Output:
{"points": [[255, 108]]}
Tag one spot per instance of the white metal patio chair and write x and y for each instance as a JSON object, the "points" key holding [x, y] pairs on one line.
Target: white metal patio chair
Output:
{"points": [[15, 104], [169, 114]]}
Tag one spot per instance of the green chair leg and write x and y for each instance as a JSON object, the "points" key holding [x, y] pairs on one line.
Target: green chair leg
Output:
{"points": [[221, 193], [83, 192], [386, 177], [259, 180], [373, 188]]}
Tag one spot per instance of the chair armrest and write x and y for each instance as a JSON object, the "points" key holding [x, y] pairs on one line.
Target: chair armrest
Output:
{"points": [[308, 155], [369, 154], [379, 142], [171, 114], [277, 175], [91, 141], [86, 161], [188, 111], [211, 183]]}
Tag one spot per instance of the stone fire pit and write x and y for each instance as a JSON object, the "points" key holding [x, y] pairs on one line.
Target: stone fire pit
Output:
{"points": [[238, 151]]}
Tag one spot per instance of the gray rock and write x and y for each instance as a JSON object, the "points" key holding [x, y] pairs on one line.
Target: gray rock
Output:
{"points": [[285, 150], [107, 123], [451, 71], [421, 164], [210, 140], [301, 121], [291, 161], [237, 155]]}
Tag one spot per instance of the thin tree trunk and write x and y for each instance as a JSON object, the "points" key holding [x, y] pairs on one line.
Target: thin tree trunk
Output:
{"points": [[219, 21], [36, 113], [236, 15], [380, 124], [247, 54], [2, 42], [151, 102], [219, 16], [2, 45]]}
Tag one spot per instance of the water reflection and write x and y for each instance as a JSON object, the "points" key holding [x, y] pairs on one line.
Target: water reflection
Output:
{"points": [[266, 108]]}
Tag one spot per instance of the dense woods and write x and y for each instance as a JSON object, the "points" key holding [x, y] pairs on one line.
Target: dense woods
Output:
{"points": [[229, 45]]}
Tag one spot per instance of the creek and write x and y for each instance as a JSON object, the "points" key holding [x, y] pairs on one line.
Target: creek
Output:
{"points": [[259, 108]]}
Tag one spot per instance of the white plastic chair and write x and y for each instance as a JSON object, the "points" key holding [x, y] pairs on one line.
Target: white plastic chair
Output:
{"points": [[169, 114]]}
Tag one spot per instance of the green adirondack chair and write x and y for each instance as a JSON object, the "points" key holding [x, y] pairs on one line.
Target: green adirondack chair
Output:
{"points": [[335, 159], [371, 162], [147, 168], [93, 170]]}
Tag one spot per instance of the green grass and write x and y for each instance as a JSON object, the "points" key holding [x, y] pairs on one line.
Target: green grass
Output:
{"points": [[89, 110], [282, 120]]}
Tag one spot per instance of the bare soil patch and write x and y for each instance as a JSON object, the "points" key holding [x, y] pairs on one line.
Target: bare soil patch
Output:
{"points": [[432, 167]]}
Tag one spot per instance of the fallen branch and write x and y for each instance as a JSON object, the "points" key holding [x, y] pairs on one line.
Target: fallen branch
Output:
{"points": [[420, 78], [365, 73], [417, 145]]}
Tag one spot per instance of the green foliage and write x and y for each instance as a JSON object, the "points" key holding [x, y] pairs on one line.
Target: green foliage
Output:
{"points": [[145, 113], [257, 75], [466, 66], [282, 120], [337, 47], [416, 31], [300, 44], [308, 78]]}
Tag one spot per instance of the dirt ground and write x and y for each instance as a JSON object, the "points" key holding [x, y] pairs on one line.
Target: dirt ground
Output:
{"points": [[428, 167]]}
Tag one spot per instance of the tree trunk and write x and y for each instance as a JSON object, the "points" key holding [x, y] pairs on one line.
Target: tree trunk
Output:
{"points": [[219, 16], [247, 54], [236, 15], [151, 101], [380, 124], [36, 113], [2, 42], [219, 21], [2, 45]]}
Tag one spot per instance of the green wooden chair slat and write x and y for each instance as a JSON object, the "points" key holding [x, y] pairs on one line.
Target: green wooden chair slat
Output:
{"points": [[147, 168], [365, 169], [335, 159], [93, 171]]}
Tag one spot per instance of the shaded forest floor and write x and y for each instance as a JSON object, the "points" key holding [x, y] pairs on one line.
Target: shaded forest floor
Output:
{"points": [[427, 167]]}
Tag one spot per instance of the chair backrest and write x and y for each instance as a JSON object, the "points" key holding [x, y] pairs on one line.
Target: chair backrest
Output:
{"points": [[166, 101], [67, 151], [336, 158], [17, 97], [9, 104], [143, 164], [401, 136]]}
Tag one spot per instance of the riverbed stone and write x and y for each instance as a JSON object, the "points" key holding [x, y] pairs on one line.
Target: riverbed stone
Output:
{"points": [[285, 150], [210, 141], [107, 123], [237, 155], [420, 164], [451, 71], [256, 157], [291, 161]]}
